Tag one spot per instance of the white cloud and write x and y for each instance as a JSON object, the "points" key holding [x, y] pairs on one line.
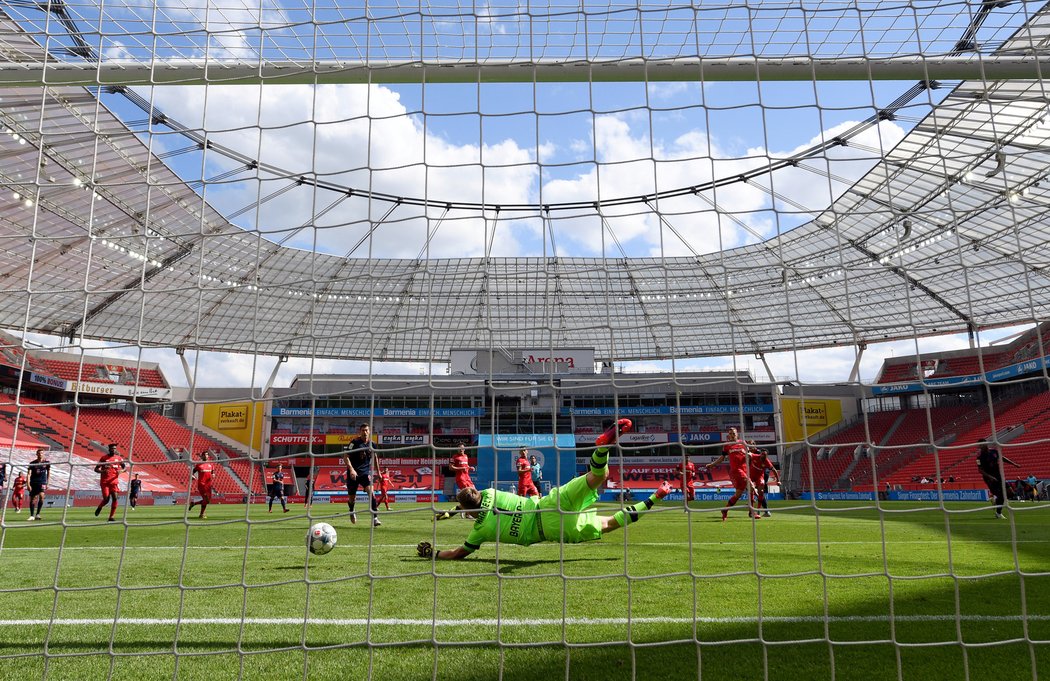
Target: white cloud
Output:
{"points": [[672, 90], [359, 136], [366, 138], [635, 163], [220, 30]]}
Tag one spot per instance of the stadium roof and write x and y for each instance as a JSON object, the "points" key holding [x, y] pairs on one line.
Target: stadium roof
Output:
{"points": [[948, 233]]}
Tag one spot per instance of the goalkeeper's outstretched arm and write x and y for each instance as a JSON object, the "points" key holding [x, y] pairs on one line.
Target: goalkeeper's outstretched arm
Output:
{"points": [[426, 550], [457, 553]]}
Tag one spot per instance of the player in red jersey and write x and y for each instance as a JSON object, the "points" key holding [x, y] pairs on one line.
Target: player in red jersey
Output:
{"points": [[761, 470], [18, 491], [202, 473], [109, 468], [383, 480], [462, 468], [526, 487], [688, 472], [736, 450]]}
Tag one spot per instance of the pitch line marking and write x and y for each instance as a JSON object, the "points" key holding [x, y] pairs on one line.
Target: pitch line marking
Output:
{"points": [[508, 622]]}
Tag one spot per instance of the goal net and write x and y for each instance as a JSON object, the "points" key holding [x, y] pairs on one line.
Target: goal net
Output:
{"points": [[800, 248]]}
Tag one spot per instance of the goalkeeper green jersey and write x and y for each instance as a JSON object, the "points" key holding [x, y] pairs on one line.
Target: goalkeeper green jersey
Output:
{"points": [[504, 517]]}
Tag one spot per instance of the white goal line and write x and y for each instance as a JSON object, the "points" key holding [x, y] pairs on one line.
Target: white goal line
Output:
{"points": [[507, 622]]}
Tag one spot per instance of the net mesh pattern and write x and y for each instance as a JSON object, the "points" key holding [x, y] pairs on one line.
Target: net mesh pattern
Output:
{"points": [[397, 244]]}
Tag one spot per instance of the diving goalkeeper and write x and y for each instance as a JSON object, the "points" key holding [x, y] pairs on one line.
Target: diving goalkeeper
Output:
{"points": [[513, 519]]}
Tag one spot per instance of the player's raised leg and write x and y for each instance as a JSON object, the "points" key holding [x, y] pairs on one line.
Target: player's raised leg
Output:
{"points": [[599, 465], [633, 513]]}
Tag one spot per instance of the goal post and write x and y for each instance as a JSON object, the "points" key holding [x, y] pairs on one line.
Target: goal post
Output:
{"points": [[728, 69]]}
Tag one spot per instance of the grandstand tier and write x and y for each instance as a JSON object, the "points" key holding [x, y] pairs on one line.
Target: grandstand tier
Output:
{"points": [[235, 474]]}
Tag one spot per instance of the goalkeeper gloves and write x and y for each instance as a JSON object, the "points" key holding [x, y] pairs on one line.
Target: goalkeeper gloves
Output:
{"points": [[445, 515], [424, 549]]}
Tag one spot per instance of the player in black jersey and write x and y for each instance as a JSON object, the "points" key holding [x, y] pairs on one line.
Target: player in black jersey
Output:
{"points": [[990, 463], [277, 489], [359, 462], [134, 488], [39, 475]]}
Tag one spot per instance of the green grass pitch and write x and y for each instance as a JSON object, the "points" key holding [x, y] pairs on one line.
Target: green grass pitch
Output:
{"points": [[843, 591]]}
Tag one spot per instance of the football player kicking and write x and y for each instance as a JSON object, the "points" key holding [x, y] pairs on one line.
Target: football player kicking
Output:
{"points": [[202, 473], [736, 450], [109, 468], [559, 516], [762, 470]]}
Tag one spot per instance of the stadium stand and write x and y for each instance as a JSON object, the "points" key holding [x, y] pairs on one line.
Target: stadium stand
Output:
{"points": [[175, 434], [86, 436], [12, 355], [968, 365], [102, 373], [12, 436], [1030, 345], [76, 371], [822, 472], [123, 429], [58, 426], [909, 439], [84, 442], [956, 458], [1032, 448], [894, 373], [68, 471]]}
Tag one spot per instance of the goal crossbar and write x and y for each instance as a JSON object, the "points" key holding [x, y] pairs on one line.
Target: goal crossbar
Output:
{"points": [[198, 72]]}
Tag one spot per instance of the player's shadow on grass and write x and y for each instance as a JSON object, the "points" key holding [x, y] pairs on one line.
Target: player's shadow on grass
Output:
{"points": [[509, 565]]}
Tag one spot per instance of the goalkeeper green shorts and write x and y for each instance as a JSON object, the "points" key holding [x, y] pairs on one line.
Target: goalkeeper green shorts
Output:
{"points": [[563, 516]]}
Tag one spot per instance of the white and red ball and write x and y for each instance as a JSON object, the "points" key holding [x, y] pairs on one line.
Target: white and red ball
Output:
{"points": [[321, 539]]}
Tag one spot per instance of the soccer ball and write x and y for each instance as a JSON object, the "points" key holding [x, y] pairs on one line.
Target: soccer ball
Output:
{"points": [[321, 538]]}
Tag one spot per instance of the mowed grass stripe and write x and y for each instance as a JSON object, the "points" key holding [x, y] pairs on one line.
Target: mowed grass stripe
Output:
{"points": [[151, 599]]}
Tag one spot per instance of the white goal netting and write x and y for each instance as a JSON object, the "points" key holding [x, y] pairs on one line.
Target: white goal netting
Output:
{"points": [[250, 228]]}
